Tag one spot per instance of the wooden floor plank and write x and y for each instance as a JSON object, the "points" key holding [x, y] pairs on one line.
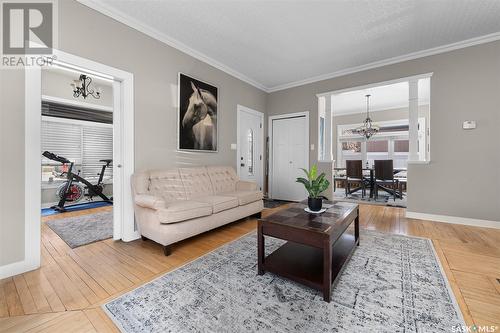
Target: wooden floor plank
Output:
{"points": [[12, 298], [33, 282], [100, 321], [4, 309]]}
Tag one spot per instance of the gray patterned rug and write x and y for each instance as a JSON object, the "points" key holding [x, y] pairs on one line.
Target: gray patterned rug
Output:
{"points": [[391, 284], [384, 199], [81, 230]]}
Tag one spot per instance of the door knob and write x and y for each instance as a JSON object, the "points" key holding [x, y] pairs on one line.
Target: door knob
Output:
{"points": [[119, 166], [242, 165]]}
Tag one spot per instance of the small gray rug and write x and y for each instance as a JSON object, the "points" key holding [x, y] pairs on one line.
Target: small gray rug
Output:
{"points": [[391, 284], [81, 230]]}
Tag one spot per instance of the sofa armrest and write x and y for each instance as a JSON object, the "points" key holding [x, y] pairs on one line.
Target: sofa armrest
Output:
{"points": [[149, 201], [244, 185]]}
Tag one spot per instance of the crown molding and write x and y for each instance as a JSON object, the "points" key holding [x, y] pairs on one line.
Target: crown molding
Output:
{"points": [[154, 33], [390, 61]]}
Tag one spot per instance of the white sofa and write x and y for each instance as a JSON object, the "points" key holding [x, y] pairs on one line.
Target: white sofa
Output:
{"points": [[172, 205]]}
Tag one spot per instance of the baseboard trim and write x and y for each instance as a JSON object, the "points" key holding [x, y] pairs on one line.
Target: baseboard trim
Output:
{"points": [[454, 220], [16, 268]]}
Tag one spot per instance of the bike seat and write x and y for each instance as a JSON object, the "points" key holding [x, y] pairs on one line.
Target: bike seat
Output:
{"points": [[106, 160]]}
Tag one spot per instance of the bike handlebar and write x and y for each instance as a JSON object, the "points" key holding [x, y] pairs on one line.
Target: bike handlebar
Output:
{"points": [[54, 157]]}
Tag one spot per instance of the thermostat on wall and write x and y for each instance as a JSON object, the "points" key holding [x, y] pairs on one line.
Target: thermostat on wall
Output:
{"points": [[469, 124]]}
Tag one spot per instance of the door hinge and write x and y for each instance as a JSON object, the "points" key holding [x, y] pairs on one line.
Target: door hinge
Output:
{"points": [[260, 156]]}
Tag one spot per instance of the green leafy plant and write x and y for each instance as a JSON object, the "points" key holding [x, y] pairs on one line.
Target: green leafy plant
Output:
{"points": [[314, 184]]}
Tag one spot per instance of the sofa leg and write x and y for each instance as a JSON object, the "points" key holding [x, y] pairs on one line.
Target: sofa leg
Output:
{"points": [[257, 215], [167, 250], [144, 238]]}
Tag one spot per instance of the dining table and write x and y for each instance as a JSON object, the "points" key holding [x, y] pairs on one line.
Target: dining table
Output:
{"points": [[371, 170]]}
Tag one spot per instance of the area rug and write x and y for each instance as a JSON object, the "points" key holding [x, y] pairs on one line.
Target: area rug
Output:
{"points": [[383, 199], [81, 230], [391, 284]]}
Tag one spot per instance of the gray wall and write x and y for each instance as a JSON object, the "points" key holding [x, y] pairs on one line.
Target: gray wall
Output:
{"points": [[462, 178], [155, 67]]}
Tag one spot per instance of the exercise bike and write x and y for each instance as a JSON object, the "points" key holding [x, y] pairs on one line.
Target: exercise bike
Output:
{"points": [[76, 187]]}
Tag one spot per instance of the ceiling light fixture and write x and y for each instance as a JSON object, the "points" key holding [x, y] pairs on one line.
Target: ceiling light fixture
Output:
{"points": [[368, 129], [82, 88]]}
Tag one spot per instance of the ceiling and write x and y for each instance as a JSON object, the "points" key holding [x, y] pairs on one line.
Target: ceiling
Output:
{"points": [[392, 96], [281, 43]]}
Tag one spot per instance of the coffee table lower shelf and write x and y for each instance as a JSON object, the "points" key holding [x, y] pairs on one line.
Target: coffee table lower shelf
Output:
{"points": [[304, 264]]}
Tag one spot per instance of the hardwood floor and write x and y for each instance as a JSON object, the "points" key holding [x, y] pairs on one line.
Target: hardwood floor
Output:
{"points": [[65, 294]]}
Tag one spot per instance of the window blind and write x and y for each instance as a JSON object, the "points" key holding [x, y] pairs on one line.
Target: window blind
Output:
{"points": [[82, 144], [62, 139], [97, 145]]}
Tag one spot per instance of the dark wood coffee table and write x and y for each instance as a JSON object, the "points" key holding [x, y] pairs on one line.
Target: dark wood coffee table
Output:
{"points": [[318, 244]]}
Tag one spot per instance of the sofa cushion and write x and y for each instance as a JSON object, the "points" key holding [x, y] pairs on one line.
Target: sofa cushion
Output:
{"points": [[149, 201], [167, 184], [178, 211], [140, 183], [196, 182], [219, 203], [245, 185], [245, 197], [223, 178]]}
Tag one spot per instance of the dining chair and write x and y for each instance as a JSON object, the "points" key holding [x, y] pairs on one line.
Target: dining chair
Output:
{"points": [[384, 178], [354, 175]]}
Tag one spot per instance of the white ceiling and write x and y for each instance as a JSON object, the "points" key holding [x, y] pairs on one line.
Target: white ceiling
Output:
{"points": [[392, 96], [277, 44]]}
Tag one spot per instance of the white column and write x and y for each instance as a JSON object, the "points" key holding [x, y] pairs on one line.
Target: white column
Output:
{"points": [[328, 128], [413, 120]]}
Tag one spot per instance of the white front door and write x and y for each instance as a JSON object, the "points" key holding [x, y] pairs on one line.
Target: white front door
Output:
{"points": [[289, 154], [250, 145]]}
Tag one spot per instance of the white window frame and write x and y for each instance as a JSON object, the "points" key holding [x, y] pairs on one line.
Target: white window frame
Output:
{"points": [[389, 136]]}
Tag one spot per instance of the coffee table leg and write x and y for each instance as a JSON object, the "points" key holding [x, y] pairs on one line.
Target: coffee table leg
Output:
{"points": [[260, 249], [356, 229], [327, 270]]}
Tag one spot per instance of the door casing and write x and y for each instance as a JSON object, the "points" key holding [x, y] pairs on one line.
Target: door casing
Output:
{"points": [[32, 187]]}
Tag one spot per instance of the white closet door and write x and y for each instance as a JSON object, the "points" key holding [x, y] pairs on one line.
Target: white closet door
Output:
{"points": [[289, 155]]}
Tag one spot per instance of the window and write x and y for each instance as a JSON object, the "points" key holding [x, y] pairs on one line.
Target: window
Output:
{"points": [[391, 142], [250, 159], [79, 141], [321, 128], [377, 150]]}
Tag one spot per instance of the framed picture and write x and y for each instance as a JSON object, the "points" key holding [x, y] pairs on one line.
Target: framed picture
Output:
{"points": [[197, 118]]}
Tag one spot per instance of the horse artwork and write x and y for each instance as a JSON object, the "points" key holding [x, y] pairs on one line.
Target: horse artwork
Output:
{"points": [[197, 115]]}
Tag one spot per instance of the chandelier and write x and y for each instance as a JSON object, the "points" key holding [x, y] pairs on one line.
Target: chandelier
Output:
{"points": [[82, 88], [368, 129]]}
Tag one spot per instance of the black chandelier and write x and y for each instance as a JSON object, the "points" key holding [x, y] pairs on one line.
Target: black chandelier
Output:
{"points": [[368, 129], [82, 88]]}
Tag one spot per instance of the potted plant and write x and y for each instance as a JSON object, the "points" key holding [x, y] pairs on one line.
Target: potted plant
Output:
{"points": [[314, 185]]}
